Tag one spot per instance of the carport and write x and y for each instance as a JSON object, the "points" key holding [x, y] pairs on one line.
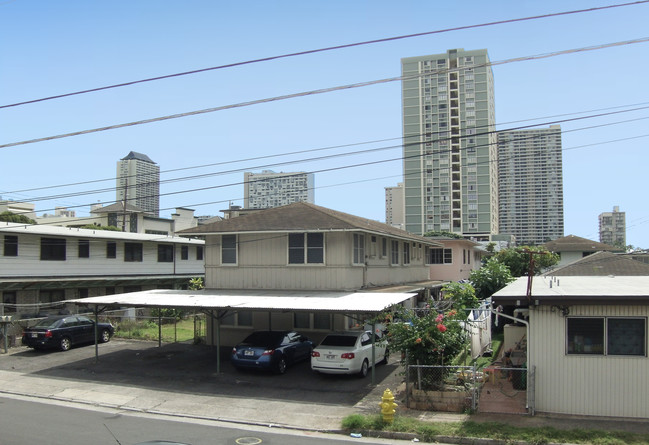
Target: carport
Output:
{"points": [[218, 303]]}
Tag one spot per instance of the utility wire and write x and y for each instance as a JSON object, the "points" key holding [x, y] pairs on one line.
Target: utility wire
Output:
{"points": [[330, 48], [315, 92], [401, 158]]}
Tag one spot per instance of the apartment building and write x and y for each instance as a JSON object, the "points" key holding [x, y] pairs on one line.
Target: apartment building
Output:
{"points": [[530, 184], [612, 227], [394, 215], [449, 144], [270, 189], [138, 181]]}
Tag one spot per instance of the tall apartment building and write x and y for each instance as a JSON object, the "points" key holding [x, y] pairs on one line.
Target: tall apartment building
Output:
{"points": [[612, 227], [269, 189], [138, 177], [530, 185], [449, 144], [394, 206]]}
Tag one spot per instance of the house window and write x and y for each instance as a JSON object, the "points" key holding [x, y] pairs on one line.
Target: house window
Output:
{"points": [[322, 321], [51, 295], [165, 253], [305, 248], [11, 245], [607, 336], [9, 301], [53, 249], [384, 247], [239, 318], [199, 253], [359, 249], [229, 249], [394, 257], [301, 320], [440, 256], [111, 250], [133, 252], [406, 253], [184, 252], [84, 248]]}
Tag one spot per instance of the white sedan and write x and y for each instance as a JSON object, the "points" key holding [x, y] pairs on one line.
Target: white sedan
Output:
{"points": [[348, 353]]}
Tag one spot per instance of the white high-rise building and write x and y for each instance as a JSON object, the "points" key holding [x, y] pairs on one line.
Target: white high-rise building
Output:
{"points": [[530, 185], [138, 177], [394, 206], [270, 189], [449, 144], [612, 228]]}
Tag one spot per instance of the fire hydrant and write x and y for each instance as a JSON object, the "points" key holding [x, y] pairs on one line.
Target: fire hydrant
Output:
{"points": [[387, 406]]}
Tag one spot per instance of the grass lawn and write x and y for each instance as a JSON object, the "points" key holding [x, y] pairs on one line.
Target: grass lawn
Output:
{"points": [[181, 331], [427, 431]]}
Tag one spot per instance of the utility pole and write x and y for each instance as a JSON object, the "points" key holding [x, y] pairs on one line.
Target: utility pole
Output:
{"points": [[530, 270]]}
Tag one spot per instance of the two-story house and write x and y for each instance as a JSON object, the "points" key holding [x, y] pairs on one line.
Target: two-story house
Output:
{"points": [[299, 266], [42, 266]]}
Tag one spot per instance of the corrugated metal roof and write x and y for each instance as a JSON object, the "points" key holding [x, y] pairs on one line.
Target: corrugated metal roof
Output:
{"points": [[341, 302]]}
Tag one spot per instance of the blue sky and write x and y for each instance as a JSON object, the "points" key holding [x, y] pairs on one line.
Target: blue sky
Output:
{"points": [[51, 48]]}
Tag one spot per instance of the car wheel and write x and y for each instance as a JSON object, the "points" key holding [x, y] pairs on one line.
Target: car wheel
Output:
{"points": [[364, 367], [281, 366], [65, 344], [386, 356], [105, 336]]}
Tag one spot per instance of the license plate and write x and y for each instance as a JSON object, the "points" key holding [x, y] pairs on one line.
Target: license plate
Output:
{"points": [[331, 357], [248, 353], [34, 335]]}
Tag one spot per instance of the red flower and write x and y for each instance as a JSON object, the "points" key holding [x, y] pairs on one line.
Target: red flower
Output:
{"points": [[441, 328], [418, 340], [439, 318]]}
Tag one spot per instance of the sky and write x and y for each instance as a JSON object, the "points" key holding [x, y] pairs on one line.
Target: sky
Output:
{"points": [[349, 137]]}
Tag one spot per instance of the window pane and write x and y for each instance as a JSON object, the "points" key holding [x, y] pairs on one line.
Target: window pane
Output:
{"points": [[626, 336], [301, 320], [585, 336], [84, 248], [244, 318], [52, 249], [165, 253], [315, 248], [111, 250], [11, 245], [321, 321], [229, 249], [296, 248], [199, 253], [184, 252], [133, 252]]}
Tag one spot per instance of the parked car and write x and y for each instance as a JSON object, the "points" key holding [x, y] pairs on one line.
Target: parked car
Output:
{"points": [[271, 350], [348, 353], [64, 331]]}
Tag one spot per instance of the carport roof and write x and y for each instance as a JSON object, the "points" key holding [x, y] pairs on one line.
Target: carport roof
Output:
{"points": [[256, 300]]}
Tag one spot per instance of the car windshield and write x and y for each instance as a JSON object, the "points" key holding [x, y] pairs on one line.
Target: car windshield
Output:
{"points": [[339, 340], [265, 339], [48, 323]]}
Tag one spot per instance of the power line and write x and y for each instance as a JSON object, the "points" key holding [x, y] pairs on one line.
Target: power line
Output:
{"points": [[315, 92], [330, 48]]}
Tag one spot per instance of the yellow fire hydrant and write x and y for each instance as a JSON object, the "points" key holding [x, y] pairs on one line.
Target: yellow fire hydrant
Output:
{"points": [[387, 406]]}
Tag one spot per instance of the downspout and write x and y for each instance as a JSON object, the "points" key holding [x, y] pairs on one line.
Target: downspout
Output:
{"points": [[529, 342]]}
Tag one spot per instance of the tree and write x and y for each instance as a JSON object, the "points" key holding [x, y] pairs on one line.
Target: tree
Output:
{"points": [[97, 227], [444, 233], [461, 295], [518, 259], [490, 278], [15, 218]]}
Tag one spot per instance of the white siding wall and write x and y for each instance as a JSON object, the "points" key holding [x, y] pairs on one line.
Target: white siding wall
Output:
{"points": [[586, 385], [262, 263], [29, 264]]}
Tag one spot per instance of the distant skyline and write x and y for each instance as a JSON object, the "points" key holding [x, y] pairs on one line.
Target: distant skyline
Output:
{"points": [[55, 48]]}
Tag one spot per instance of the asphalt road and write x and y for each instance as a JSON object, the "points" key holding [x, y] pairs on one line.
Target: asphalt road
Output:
{"points": [[26, 422], [191, 369]]}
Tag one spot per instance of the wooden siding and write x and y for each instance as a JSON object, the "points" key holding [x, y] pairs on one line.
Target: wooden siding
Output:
{"points": [[262, 263], [28, 263], [615, 386]]}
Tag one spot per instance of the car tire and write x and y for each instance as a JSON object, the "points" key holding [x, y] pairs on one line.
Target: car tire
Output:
{"points": [[364, 368], [386, 356], [65, 344], [104, 337], [281, 366]]}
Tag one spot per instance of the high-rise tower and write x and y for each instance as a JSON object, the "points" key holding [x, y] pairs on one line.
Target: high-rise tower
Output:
{"points": [[450, 175], [269, 189], [612, 228], [530, 185], [139, 178]]}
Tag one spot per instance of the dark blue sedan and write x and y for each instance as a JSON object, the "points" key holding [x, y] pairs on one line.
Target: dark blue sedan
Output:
{"points": [[64, 331], [271, 350]]}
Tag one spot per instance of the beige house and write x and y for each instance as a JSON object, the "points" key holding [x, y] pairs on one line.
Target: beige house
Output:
{"points": [[455, 260], [572, 248], [586, 343]]}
